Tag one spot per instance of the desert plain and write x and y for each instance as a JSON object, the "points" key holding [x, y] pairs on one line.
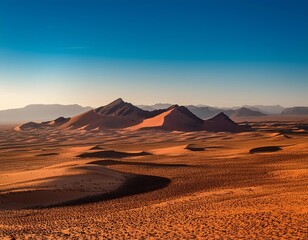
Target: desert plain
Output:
{"points": [[155, 184]]}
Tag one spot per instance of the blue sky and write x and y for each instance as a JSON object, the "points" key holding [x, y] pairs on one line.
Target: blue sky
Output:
{"points": [[215, 52]]}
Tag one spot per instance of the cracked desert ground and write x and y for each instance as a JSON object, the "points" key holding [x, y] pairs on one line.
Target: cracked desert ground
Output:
{"points": [[147, 185]]}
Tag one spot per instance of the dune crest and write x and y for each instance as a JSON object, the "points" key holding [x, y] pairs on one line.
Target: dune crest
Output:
{"points": [[57, 184]]}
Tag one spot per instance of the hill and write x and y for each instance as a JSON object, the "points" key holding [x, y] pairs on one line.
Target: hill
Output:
{"points": [[295, 111], [40, 112], [174, 118]]}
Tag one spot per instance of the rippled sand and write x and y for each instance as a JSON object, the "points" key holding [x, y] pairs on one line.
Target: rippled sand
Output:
{"points": [[221, 192]]}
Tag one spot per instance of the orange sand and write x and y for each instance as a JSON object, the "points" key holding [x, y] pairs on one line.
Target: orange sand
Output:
{"points": [[223, 192]]}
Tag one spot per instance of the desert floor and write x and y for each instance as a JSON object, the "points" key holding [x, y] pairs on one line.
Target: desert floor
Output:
{"points": [[147, 185]]}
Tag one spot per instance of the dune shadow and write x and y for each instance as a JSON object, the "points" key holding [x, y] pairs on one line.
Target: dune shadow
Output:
{"points": [[111, 162], [194, 148], [135, 185], [97, 147], [265, 149], [198, 148], [112, 154], [46, 154]]}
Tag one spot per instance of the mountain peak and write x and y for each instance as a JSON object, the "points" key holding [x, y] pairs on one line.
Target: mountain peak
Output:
{"points": [[174, 106], [221, 115], [222, 123], [117, 102], [120, 108], [184, 110]]}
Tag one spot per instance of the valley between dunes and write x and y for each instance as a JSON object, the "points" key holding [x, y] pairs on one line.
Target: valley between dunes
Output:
{"points": [[152, 184]]}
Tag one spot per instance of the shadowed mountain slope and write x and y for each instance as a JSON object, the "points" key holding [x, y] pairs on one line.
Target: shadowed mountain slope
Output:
{"points": [[295, 111], [222, 123]]}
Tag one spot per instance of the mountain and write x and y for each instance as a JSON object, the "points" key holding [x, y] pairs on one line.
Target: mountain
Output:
{"points": [[208, 112], [117, 114], [40, 112], [295, 111], [174, 118], [179, 118], [272, 109], [222, 123], [205, 112], [244, 112], [121, 108], [123, 115]]}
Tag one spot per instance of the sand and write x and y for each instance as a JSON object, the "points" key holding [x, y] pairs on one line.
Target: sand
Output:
{"points": [[56, 184], [222, 191]]}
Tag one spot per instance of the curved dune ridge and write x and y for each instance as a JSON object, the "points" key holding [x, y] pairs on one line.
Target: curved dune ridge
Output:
{"points": [[57, 184], [78, 182], [122, 115], [176, 118], [82, 120], [133, 186], [157, 121], [195, 148]]}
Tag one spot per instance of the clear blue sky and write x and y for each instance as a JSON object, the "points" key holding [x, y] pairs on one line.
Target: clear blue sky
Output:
{"points": [[215, 52]]}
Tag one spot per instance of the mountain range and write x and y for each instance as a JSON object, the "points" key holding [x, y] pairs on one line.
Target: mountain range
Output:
{"points": [[40, 112], [205, 112], [122, 115], [45, 112], [295, 110], [209, 111]]}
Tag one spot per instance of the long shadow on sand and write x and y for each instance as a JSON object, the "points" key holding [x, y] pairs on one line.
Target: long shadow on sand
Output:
{"points": [[112, 162], [112, 154], [46, 154], [265, 149], [135, 185]]}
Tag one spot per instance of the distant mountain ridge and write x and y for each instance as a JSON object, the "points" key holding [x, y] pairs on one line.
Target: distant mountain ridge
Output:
{"points": [[295, 111], [206, 112], [272, 109], [45, 112], [40, 112]]}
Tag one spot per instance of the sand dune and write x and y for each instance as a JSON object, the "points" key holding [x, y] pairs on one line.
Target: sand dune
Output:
{"points": [[171, 193], [56, 184], [157, 121], [83, 120], [175, 118]]}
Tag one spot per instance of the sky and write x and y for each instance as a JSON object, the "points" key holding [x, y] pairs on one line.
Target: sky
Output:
{"points": [[215, 52]]}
